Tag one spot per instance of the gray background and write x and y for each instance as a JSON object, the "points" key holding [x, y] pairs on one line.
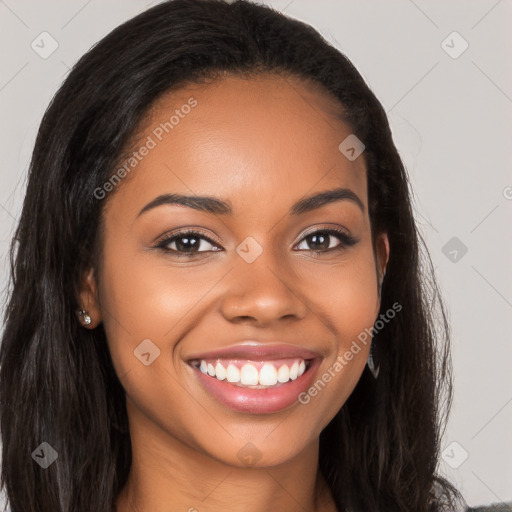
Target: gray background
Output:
{"points": [[451, 119]]}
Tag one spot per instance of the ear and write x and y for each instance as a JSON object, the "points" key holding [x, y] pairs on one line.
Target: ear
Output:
{"points": [[89, 299], [382, 255]]}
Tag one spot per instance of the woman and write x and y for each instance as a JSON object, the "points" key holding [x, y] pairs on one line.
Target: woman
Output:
{"points": [[218, 301]]}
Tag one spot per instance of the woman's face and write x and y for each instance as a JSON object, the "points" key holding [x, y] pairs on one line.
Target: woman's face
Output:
{"points": [[272, 287]]}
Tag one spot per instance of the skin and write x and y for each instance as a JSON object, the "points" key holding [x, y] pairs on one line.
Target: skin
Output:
{"points": [[261, 144]]}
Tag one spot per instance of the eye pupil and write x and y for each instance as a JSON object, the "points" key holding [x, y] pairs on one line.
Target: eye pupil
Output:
{"points": [[318, 241], [187, 243]]}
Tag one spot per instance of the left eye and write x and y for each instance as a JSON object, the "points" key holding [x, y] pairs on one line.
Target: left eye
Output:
{"points": [[325, 240]]}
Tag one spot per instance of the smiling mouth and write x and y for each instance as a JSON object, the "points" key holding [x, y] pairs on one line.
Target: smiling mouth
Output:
{"points": [[256, 378], [253, 374]]}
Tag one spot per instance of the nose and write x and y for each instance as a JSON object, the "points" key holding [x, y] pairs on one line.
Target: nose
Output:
{"points": [[262, 293]]}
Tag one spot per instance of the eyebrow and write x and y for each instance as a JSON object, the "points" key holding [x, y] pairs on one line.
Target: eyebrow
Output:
{"points": [[218, 206], [308, 204]]}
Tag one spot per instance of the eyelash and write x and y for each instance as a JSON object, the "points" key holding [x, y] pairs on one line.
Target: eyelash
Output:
{"points": [[344, 238]]}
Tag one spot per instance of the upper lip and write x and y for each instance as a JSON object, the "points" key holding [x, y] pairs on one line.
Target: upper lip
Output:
{"points": [[254, 350]]}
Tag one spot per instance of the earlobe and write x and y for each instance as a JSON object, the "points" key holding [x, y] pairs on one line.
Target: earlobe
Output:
{"points": [[382, 255], [89, 313], [382, 258]]}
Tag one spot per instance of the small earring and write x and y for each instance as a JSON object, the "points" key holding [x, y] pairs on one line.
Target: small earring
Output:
{"points": [[84, 317], [372, 366]]}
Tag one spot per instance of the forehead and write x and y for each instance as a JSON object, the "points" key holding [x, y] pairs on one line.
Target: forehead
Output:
{"points": [[247, 139]]}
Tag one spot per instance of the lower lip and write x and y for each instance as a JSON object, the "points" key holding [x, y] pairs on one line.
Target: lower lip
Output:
{"points": [[259, 401]]}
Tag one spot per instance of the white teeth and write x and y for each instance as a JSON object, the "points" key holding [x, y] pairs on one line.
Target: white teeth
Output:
{"points": [[294, 370], [248, 375], [233, 373], [268, 375], [220, 372], [283, 374]]}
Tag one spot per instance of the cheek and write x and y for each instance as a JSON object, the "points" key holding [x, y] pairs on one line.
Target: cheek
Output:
{"points": [[356, 306], [346, 302], [142, 311], [147, 299], [345, 296], [143, 300]]}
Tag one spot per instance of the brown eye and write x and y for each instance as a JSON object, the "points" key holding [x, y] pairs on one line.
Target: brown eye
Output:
{"points": [[189, 242], [325, 240], [319, 241]]}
